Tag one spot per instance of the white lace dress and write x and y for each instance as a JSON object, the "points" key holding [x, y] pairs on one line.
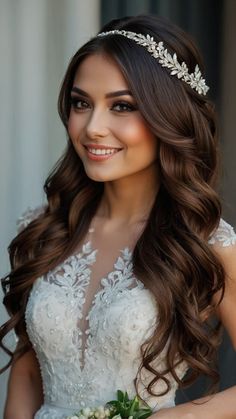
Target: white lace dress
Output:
{"points": [[85, 366]]}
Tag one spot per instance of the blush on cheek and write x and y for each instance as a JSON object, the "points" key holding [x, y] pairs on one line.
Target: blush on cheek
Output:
{"points": [[134, 132], [76, 127]]}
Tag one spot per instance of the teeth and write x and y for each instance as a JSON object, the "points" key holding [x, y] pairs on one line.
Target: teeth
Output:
{"points": [[99, 151]]}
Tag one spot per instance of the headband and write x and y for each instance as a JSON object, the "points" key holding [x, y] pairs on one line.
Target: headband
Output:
{"points": [[158, 51]]}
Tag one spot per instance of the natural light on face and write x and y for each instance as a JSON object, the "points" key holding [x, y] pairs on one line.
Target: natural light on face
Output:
{"points": [[105, 126]]}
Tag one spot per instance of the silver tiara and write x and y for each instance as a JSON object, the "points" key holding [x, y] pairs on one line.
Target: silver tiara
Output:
{"points": [[157, 50]]}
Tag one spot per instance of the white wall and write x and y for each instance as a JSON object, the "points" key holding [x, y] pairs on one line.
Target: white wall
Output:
{"points": [[37, 38]]}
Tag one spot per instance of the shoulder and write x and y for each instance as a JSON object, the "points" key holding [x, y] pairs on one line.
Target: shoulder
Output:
{"points": [[223, 236], [29, 215], [223, 242]]}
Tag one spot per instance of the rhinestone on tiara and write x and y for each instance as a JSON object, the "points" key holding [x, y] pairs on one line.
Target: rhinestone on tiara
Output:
{"points": [[158, 51]]}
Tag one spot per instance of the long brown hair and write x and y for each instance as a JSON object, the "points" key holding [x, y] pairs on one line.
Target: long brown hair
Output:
{"points": [[172, 257]]}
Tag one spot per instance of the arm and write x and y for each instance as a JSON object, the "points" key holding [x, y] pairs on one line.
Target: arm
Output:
{"points": [[25, 393], [220, 406], [223, 404]]}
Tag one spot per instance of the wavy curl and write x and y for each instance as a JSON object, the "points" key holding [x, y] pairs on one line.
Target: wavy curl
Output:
{"points": [[172, 257]]}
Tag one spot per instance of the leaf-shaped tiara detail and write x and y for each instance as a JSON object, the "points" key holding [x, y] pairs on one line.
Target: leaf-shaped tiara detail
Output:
{"points": [[158, 51]]}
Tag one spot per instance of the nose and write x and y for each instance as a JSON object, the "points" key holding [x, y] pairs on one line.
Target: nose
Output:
{"points": [[97, 124]]}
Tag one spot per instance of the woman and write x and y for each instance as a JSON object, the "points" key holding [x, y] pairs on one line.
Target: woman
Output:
{"points": [[114, 284]]}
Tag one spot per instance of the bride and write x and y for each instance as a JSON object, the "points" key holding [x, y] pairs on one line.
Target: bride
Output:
{"points": [[115, 282]]}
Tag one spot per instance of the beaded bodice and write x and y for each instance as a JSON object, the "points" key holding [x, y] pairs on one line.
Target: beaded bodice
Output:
{"points": [[85, 357]]}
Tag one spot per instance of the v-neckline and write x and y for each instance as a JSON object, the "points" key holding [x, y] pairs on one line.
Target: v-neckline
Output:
{"points": [[111, 279], [123, 260]]}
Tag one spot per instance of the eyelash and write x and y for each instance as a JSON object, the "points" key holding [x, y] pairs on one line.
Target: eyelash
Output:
{"points": [[129, 108]]}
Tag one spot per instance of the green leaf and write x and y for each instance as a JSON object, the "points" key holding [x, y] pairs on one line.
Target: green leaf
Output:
{"points": [[126, 407], [126, 397], [124, 411], [132, 409], [143, 413], [113, 403], [120, 396], [134, 406]]}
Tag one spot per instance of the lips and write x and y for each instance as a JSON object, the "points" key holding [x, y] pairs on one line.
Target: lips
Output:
{"points": [[100, 152]]}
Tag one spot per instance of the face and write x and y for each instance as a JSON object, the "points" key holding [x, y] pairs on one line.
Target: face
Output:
{"points": [[105, 126]]}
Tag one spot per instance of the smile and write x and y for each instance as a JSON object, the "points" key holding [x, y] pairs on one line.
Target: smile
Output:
{"points": [[103, 151], [99, 153]]}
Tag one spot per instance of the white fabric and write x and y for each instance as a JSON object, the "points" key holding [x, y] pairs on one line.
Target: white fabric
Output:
{"points": [[84, 361]]}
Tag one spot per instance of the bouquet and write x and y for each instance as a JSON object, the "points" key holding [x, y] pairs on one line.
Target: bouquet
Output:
{"points": [[122, 408]]}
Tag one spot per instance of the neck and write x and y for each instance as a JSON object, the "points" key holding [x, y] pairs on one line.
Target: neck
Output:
{"points": [[129, 200]]}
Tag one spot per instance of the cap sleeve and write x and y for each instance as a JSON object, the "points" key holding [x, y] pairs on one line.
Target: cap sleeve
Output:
{"points": [[29, 215], [224, 235]]}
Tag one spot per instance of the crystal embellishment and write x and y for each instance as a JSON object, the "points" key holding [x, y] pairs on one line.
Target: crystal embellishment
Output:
{"points": [[165, 59]]}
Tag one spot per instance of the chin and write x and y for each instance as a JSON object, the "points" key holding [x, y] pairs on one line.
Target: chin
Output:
{"points": [[96, 177], [100, 178]]}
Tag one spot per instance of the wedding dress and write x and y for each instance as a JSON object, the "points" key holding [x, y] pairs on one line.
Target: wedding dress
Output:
{"points": [[87, 338]]}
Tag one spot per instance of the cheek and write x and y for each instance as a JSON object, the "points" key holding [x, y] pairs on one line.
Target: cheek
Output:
{"points": [[76, 127], [139, 137], [73, 127]]}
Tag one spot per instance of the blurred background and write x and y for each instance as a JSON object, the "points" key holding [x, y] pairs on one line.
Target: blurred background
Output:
{"points": [[37, 39]]}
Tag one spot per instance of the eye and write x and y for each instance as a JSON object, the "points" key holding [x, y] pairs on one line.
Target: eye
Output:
{"points": [[123, 107], [79, 104]]}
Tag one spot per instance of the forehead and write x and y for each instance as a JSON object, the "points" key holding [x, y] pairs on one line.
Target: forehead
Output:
{"points": [[99, 71]]}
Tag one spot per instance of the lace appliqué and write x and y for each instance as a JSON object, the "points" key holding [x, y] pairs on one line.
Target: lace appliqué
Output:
{"points": [[113, 285], [29, 215], [50, 412], [121, 314], [120, 319], [224, 235]]}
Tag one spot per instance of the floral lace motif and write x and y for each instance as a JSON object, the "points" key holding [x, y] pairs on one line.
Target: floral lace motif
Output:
{"points": [[122, 316], [28, 216], [224, 235], [52, 412]]}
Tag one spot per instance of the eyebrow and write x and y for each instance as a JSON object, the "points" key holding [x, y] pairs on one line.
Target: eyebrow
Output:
{"points": [[108, 95]]}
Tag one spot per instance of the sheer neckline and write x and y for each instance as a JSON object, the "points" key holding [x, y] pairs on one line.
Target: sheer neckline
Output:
{"points": [[88, 247], [73, 275]]}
